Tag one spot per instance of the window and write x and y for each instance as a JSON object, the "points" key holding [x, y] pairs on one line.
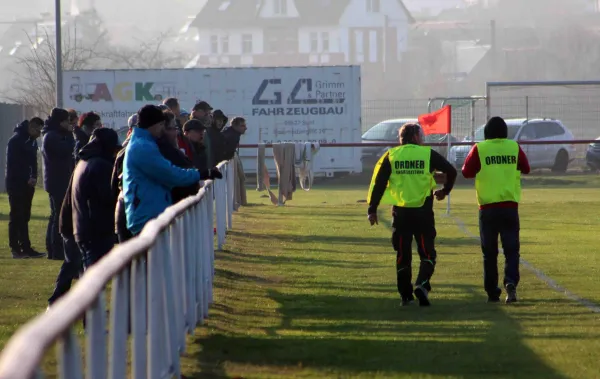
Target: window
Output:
{"points": [[214, 44], [314, 42], [272, 44], [225, 44], [528, 132], [384, 131], [513, 128], [372, 6], [325, 41], [548, 129], [247, 44], [280, 7]]}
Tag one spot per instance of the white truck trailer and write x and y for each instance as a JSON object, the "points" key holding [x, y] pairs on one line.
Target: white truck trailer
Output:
{"points": [[316, 103]]}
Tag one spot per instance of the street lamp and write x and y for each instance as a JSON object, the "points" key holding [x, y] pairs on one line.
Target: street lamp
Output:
{"points": [[59, 76]]}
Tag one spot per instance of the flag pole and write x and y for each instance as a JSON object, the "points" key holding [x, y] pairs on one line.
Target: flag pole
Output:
{"points": [[448, 154]]}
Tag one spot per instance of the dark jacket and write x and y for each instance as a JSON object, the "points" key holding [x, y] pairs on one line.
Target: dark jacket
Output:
{"points": [[232, 141], [179, 159], [215, 144], [81, 139], [92, 200], [200, 159], [116, 185], [57, 153], [21, 158], [65, 217]]}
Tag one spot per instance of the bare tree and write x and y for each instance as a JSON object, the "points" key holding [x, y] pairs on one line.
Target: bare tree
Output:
{"points": [[150, 53], [34, 71]]}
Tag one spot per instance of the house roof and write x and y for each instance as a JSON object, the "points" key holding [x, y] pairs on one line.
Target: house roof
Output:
{"points": [[244, 13]]}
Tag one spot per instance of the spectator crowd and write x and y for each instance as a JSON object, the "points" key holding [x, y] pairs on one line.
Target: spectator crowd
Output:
{"points": [[103, 192]]}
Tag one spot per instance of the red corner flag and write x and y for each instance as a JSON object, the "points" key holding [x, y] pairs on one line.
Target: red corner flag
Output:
{"points": [[438, 122]]}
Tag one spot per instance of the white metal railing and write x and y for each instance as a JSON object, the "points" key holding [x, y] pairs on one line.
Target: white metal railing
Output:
{"points": [[161, 289]]}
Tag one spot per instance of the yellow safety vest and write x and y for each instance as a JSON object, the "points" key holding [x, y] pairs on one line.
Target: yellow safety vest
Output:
{"points": [[411, 180], [499, 179]]}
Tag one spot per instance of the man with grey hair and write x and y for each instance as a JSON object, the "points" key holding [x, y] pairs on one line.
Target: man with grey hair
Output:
{"points": [[404, 178]]}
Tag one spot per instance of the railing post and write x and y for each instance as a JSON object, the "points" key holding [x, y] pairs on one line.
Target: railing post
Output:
{"points": [[155, 343], [177, 255], [198, 240], [69, 357], [207, 239], [231, 172], [139, 317], [118, 326], [95, 330], [190, 268], [211, 252], [221, 210]]}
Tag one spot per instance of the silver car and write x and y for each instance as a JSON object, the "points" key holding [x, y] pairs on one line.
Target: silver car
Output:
{"points": [[551, 156]]}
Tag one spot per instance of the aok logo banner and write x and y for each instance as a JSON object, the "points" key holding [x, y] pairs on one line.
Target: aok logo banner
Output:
{"points": [[121, 91]]}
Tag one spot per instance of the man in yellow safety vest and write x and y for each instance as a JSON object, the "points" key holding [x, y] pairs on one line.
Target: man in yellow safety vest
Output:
{"points": [[404, 178], [497, 164]]}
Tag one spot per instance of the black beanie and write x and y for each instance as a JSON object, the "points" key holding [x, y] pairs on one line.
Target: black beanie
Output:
{"points": [[495, 128], [149, 115], [59, 115]]}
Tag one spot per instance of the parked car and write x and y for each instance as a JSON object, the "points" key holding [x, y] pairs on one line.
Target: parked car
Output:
{"points": [[552, 156], [592, 156], [387, 131]]}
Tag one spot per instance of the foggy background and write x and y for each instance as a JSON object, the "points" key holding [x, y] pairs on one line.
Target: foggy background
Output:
{"points": [[409, 51]]}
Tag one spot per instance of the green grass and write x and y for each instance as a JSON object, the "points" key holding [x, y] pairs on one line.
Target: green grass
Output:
{"points": [[308, 290]]}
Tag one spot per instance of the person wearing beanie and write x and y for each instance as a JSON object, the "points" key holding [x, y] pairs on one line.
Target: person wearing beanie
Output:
{"points": [[87, 214], [57, 149], [497, 164], [404, 178], [88, 122], [148, 177], [219, 120]]}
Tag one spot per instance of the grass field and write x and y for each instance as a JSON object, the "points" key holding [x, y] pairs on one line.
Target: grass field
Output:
{"points": [[308, 290]]}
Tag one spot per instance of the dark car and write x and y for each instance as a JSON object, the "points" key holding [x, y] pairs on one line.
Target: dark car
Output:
{"points": [[387, 131], [592, 156]]}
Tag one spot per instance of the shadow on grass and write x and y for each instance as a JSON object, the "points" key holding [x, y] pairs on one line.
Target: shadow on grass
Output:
{"points": [[348, 240], [351, 335], [4, 217]]}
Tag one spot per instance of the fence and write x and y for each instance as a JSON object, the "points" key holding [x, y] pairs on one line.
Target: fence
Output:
{"points": [[161, 289], [577, 108]]}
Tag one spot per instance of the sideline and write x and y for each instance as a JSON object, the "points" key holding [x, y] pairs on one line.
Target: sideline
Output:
{"points": [[538, 273]]}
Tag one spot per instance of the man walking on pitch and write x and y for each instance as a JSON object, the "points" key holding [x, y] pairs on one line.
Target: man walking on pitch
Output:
{"points": [[404, 178], [497, 164]]}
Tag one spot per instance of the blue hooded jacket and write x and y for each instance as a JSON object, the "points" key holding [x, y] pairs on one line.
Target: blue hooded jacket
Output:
{"points": [[148, 179], [21, 158]]}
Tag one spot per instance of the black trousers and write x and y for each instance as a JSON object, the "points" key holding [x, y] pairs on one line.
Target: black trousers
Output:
{"points": [[417, 223], [54, 241], [502, 222], [20, 200], [93, 251], [70, 270]]}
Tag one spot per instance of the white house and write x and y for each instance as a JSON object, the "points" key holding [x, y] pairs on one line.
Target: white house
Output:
{"points": [[300, 32]]}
